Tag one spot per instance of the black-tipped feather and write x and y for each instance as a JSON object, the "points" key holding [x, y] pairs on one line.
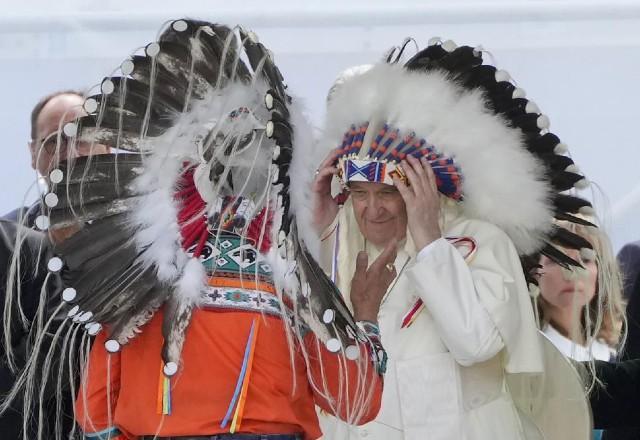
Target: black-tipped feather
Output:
{"points": [[103, 234], [573, 219], [544, 144], [559, 257], [324, 295], [111, 118], [501, 97], [568, 239], [140, 311], [260, 59], [94, 211], [139, 91], [556, 162], [176, 319], [569, 203], [425, 58], [565, 180], [96, 187]]}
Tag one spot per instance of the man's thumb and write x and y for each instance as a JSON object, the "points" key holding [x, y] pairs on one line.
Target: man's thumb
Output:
{"points": [[362, 261]]}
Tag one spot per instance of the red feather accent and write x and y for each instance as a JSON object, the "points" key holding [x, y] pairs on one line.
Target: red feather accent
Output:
{"points": [[256, 227], [192, 217]]}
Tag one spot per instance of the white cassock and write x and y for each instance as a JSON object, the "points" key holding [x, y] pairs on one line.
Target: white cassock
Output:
{"points": [[452, 362]]}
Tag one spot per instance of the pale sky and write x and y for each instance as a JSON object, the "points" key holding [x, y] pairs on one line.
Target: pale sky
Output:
{"points": [[577, 60]]}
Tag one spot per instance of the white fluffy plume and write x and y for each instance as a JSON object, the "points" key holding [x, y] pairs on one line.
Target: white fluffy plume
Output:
{"points": [[306, 157], [502, 182]]}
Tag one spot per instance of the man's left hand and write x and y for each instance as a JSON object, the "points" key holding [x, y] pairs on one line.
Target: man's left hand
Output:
{"points": [[422, 201]]}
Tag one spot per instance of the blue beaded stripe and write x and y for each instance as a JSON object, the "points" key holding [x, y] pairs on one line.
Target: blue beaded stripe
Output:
{"points": [[345, 141], [357, 141], [349, 141], [414, 147], [377, 140], [105, 434], [407, 140]]}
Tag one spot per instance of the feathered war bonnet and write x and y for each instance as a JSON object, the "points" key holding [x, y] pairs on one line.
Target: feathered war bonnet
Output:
{"points": [[203, 131], [490, 148], [204, 134]]}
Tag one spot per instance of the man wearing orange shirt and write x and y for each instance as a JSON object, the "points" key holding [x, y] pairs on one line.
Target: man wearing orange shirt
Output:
{"points": [[212, 318], [286, 378]]}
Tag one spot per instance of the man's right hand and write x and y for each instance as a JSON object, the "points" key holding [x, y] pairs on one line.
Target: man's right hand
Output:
{"points": [[325, 207], [369, 285]]}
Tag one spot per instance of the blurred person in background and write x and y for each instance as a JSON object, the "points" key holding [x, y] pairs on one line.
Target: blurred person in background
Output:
{"points": [[15, 335], [615, 399], [581, 309], [629, 260], [49, 144]]}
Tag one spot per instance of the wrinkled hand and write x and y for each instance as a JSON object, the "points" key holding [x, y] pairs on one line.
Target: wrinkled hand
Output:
{"points": [[325, 207], [368, 286], [422, 201]]}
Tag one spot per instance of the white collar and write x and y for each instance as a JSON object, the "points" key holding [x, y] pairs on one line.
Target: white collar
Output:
{"points": [[575, 351]]}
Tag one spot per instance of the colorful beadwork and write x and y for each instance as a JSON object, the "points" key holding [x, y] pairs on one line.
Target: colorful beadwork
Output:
{"points": [[371, 332], [241, 299], [384, 154]]}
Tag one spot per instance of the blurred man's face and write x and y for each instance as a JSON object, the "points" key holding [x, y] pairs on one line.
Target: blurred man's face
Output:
{"points": [[48, 148]]}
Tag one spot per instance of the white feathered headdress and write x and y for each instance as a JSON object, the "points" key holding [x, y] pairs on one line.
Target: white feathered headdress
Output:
{"points": [[490, 148]]}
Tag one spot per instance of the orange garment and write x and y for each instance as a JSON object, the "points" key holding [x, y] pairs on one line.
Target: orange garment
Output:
{"points": [[202, 389]]}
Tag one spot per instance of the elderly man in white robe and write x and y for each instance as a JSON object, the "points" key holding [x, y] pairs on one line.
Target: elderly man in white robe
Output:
{"points": [[465, 357]]}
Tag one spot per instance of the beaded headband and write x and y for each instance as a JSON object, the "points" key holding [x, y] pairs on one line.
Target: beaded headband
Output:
{"points": [[380, 161]]}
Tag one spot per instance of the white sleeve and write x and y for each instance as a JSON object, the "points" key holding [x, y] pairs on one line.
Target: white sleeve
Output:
{"points": [[452, 292]]}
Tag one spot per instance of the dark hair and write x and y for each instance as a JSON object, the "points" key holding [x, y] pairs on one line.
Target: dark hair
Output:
{"points": [[37, 109]]}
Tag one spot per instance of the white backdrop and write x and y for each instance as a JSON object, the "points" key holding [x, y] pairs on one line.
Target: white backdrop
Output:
{"points": [[577, 59]]}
